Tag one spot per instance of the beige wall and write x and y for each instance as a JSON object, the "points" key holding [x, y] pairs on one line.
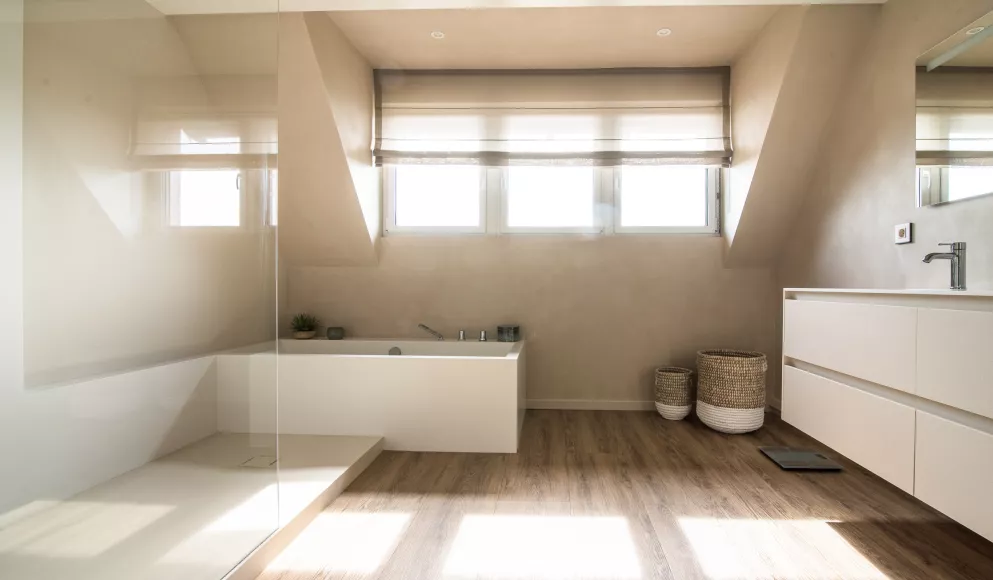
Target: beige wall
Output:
{"points": [[598, 312], [864, 183], [109, 285]]}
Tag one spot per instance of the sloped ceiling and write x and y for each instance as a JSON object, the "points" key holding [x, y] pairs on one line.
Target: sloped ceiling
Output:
{"points": [[756, 80], [827, 42]]}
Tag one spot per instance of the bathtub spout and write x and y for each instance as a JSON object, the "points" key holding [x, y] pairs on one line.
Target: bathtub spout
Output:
{"points": [[431, 331]]}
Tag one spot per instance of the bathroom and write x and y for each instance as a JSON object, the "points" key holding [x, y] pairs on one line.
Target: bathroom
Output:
{"points": [[181, 180]]}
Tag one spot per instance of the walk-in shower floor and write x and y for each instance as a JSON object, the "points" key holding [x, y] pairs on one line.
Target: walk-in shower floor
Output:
{"points": [[193, 514]]}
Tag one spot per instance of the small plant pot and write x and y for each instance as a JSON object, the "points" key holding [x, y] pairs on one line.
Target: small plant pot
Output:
{"points": [[304, 334]]}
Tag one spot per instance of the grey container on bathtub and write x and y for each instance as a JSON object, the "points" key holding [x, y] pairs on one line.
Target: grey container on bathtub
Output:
{"points": [[508, 333], [336, 333]]}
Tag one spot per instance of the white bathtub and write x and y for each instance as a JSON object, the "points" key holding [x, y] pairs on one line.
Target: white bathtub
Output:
{"points": [[435, 396]]}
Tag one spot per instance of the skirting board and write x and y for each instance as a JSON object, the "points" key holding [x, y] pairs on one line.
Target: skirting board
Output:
{"points": [[590, 405], [598, 405]]}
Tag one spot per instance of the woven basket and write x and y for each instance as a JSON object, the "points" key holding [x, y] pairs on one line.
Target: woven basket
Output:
{"points": [[731, 390], [673, 392]]}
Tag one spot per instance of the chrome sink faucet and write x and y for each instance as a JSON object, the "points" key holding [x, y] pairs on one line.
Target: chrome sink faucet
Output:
{"points": [[957, 258], [431, 331]]}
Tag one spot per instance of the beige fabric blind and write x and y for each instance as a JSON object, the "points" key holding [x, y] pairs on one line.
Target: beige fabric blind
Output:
{"points": [[598, 117], [955, 117]]}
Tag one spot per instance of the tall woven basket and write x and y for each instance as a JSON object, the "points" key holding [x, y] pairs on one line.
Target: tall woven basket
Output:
{"points": [[731, 390], [673, 392]]}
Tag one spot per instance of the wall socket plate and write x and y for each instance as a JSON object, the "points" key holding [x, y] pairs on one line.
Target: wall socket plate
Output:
{"points": [[903, 233]]}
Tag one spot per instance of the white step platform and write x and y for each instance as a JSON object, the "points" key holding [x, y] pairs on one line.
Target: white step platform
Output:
{"points": [[193, 514]]}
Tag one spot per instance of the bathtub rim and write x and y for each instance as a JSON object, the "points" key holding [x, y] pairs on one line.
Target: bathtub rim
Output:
{"points": [[513, 354]]}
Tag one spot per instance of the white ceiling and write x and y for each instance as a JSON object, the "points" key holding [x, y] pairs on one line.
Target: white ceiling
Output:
{"points": [[554, 37]]}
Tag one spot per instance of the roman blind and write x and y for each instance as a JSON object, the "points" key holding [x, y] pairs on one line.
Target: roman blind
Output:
{"points": [[955, 117], [205, 122], [596, 117]]}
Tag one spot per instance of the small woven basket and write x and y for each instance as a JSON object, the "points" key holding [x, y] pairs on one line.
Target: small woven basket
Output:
{"points": [[731, 390], [673, 392]]}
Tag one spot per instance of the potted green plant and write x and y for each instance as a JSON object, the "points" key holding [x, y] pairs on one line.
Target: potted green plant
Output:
{"points": [[304, 326]]}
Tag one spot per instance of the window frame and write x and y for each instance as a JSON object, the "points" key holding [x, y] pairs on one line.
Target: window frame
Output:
{"points": [[714, 178], [173, 200], [391, 228], [607, 200]]}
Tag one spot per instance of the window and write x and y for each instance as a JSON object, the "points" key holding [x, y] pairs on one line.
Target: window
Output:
{"points": [[579, 151], [205, 198], [559, 198], [435, 198], [551, 199], [665, 197]]}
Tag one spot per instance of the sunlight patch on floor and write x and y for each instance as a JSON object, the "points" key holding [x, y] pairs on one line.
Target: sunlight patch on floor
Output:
{"points": [[344, 542], [547, 547], [74, 529], [737, 549]]}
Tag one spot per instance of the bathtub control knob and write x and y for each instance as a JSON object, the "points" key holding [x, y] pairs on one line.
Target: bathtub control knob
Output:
{"points": [[461, 336], [482, 336]]}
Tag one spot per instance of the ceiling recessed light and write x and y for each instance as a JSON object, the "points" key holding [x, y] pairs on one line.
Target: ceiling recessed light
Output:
{"points": [[663, 32], [975, 30], [437, 35]]}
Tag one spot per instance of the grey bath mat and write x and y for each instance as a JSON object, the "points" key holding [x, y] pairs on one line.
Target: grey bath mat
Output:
{"points": [[799, 459]]}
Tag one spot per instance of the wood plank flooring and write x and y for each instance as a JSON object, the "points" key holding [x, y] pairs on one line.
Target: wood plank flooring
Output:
{"points": [[628, 495]]}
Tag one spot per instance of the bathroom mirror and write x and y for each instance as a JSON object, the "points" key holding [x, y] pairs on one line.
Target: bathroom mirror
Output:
{"points": [[955, 117]]}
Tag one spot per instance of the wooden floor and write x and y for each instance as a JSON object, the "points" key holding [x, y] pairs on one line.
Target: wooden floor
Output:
{"points": [[627, 495]]}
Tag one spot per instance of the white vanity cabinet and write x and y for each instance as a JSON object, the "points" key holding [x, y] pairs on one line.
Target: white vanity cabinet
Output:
{"points": [[901, 382]]}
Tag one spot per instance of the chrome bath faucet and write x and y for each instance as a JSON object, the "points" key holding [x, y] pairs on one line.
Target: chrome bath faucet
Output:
{"points": [[957, 259]]}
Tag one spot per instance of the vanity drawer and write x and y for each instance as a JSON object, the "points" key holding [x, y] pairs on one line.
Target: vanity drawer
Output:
{"points": [[954, 472], [876, 433], [869, 341], [955, 358]]}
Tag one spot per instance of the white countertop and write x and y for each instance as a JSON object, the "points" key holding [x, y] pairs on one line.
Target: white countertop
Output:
{"points": [[905, 291]]}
